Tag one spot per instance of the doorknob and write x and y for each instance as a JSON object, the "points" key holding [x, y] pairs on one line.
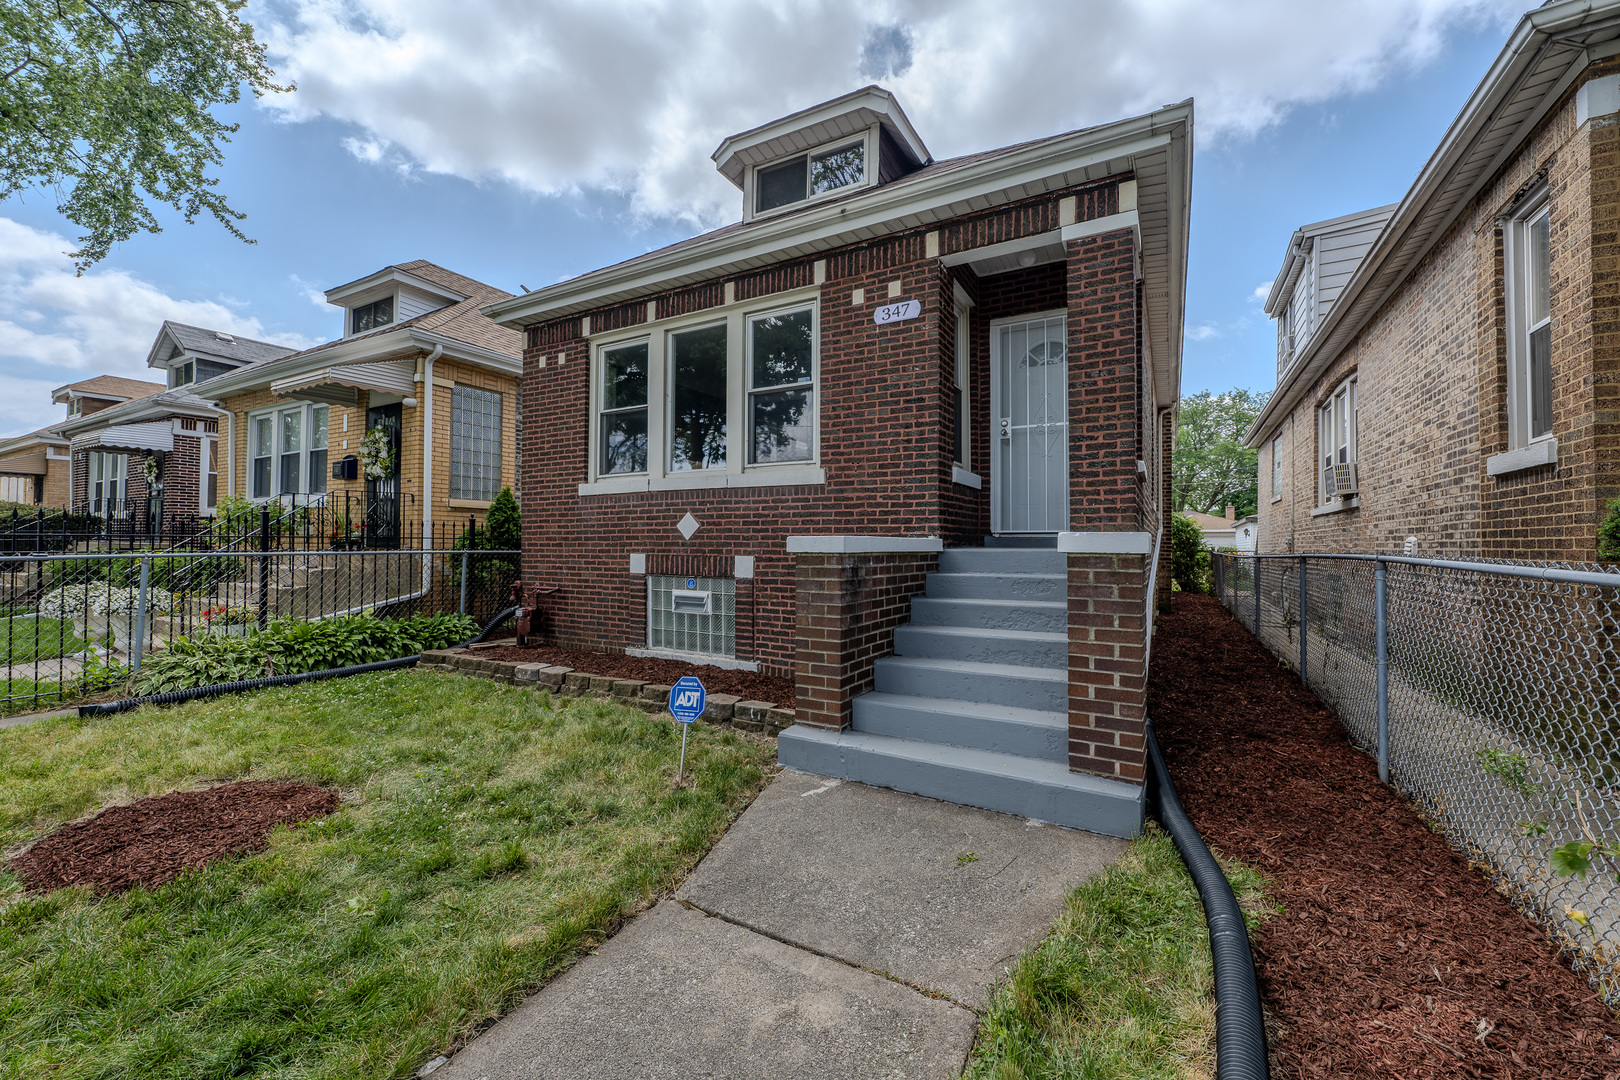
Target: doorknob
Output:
{"points": [[1006, 431]]}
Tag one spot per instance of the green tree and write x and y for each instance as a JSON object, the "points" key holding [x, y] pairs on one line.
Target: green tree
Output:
{"points": [[1211, 468], [108, 103], [1190, 565]]}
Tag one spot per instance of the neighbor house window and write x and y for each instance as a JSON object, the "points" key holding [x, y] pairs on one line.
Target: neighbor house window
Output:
{"points": [[1529, 252], [372, 315], [287, 450], [107, 476], [809, 175], [183, 375], [475, 443], [782, 387], [697, 361], [1336, 436], [623, 436], [959, 396], [1276, 467], [210, 466]]}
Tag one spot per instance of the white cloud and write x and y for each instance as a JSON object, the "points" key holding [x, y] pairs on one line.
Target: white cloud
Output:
{"points": [[57, 328], [1261, 291], [633, 95], [1202, 332]]}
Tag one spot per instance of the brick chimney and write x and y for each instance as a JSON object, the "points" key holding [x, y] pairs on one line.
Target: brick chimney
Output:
{"points": [[1231, 513]]}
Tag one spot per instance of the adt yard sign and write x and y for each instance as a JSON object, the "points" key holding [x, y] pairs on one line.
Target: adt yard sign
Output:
{"points": [[686, 699]]}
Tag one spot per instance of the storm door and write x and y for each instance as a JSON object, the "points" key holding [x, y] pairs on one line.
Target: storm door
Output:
{"points": [[382, 494], [1029, 401]]}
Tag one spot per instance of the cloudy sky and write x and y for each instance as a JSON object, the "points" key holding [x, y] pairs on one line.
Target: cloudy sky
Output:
{"points": [[525, 141]]}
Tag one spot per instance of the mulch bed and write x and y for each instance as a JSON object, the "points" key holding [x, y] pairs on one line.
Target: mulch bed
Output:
{"points": [[748, 685], [1392, 949], [151, 841]]}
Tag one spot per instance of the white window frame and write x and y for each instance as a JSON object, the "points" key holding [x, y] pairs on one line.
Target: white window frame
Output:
{"points": [[189, 369], [349, 314], [208, 449], [660, 402], [306, 427], [1336, 431], [962, 389], [97, 472], [814, 385], [870, 147], [1276, 468], [1517, 255]]}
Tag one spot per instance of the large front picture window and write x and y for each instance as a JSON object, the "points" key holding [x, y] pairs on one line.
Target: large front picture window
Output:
{"points": [[781, 392], [623, 438], [288, 451], [107, 477], [698, 401]]}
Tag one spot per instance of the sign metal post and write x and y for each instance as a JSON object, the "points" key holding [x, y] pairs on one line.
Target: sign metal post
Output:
{"points": [[686, 700]]}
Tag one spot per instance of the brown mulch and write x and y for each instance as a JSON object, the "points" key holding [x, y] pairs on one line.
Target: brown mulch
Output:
{"points": [[1392, 950], [748, 685], [150, 841]]}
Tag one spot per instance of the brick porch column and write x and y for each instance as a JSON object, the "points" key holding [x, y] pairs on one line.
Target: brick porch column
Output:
{"points": [[1107, 650]]}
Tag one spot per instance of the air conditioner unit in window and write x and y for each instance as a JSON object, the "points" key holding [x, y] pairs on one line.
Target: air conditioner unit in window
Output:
{"points": [[1346, 481]]}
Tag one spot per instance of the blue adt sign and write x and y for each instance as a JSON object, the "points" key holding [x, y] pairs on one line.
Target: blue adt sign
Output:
{"points": [[686, 699]]}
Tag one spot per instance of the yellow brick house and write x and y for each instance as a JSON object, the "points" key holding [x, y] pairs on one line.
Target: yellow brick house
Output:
{"points": [[398, 431]]}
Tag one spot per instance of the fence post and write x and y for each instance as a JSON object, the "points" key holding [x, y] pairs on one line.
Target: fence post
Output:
{"points": [[1304, 676], [464, 583], [264, 566], [1381, 606], [1257, 597], [140, 614]]}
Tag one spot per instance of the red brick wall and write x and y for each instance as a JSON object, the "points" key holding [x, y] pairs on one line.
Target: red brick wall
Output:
{"points": [[848, 607], [1104, 414], [1107, 679]]}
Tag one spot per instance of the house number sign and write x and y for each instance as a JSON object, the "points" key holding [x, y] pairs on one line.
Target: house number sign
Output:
{"points": [[905, 309]]}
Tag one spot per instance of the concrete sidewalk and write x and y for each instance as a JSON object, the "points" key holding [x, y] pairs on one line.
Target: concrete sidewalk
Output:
{"points": [[835, 930]]}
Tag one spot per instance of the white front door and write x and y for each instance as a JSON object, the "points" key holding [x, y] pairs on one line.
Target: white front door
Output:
{"points": [[1029, 400]]}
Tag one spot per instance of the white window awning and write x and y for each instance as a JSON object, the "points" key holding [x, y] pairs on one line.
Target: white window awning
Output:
{"points": [[158, 435], [338, 385]]}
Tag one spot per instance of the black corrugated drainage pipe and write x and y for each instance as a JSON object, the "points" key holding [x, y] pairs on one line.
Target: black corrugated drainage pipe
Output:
{"points": [[172, 697], [1240, 1027]]}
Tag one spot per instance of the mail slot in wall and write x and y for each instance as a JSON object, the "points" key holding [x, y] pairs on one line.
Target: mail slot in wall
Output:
{"points": [[690, 602], [346, 468]]}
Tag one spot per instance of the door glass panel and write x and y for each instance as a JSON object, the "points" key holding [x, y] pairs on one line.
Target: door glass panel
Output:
{"points": [[1032, 430]]}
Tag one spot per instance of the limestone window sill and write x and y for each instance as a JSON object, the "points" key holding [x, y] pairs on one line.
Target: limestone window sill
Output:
{"points": [[1338, 507], [469, 504], [769, 476], [961, 476], [1534, 456]]}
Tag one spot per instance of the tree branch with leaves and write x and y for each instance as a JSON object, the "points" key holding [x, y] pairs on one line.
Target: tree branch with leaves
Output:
{"points": [[1211, 468], [108, 103]]}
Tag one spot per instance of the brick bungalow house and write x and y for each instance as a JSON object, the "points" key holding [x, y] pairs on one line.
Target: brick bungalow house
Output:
{"points": [[35, 469], [904, 406], [1459, 381], [414, 345], [151, 463]]}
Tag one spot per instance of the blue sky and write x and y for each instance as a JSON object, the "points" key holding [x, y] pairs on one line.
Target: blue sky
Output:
{"points": [[526, 173]]}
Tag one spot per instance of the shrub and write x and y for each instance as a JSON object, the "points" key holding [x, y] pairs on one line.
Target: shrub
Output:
{"points": [[1190, 566], [502, 531], [1609, 533], [100, 598]]}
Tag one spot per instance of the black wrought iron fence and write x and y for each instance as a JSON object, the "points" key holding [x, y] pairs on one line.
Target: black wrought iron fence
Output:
{"points": [[1489, 693]]}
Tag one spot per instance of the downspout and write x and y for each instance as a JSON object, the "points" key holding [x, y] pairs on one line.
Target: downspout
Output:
{"points": [[230, 447], [426, 414]]}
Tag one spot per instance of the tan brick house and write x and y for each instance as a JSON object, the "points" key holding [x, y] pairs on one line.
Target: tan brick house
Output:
{"points": [[1458, 382], [35, 470], [901, 432], [414, 346]]}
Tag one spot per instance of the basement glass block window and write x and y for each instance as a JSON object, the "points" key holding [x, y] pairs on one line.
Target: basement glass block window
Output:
{"points": [[701, 620], [475, 443]]}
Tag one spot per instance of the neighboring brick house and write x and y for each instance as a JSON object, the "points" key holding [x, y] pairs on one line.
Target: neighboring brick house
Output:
{"points": [[151, 464], [35, 470], [1461, 386], [414, 344], [895, 375]]}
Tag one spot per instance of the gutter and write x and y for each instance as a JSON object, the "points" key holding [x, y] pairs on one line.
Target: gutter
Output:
{"points": [[360, 351]]}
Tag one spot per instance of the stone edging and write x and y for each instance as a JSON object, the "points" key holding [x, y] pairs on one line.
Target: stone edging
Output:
{"points": [[756, 716]]}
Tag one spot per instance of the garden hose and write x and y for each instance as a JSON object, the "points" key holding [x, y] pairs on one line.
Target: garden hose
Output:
{"points": [[172, 697], [1240, 1026]]}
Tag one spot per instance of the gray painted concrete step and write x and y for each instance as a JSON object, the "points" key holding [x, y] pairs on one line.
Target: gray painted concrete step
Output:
{"points": [[1002, 561], [979, 645], [977, 586], [1043, 790], [1040, 616], [1030, 733], [998, 684]]}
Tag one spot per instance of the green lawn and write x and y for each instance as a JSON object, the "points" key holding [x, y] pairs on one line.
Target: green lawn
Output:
{"points": [[1123, 988], [488, 836], [24, 640]]}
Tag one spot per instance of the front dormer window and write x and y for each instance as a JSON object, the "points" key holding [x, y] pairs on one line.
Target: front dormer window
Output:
{"points": [[183, 374], [372, 315], [809, 175]]}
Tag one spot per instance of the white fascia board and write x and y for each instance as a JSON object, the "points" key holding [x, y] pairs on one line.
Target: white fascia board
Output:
{"points": [[891, 208], [1008, 247], [1282, 286], [862, 545], [461, 350], [357, 351], [390, 276], [1105, 543], [1080, 230]]}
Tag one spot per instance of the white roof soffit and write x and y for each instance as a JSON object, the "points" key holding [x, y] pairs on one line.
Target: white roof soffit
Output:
{"points": [[154, 436], [1157, 147], [1546, 52], [392, 377], [362, 350], [818, 125], [381, 283]]}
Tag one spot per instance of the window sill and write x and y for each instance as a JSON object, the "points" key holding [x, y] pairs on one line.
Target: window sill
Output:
{"points": [[767, 476], [961, 476], [1537, 454], [1276, 498], [727, 662], [1337, 507], [469, 504]]}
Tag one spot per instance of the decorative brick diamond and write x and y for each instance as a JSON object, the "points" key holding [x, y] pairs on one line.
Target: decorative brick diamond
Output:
{"points": [[688, 525]]}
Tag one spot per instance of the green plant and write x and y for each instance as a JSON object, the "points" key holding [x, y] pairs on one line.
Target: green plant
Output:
{"points": [[502, 531], [1609, 533], [503, 525], [1190, 566]]}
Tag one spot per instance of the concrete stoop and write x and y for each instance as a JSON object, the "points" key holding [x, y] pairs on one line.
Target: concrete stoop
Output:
{"points": [[972, 707]]}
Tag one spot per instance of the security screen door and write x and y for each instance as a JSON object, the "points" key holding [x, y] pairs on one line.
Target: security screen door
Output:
{"points": [[1030, 443]]}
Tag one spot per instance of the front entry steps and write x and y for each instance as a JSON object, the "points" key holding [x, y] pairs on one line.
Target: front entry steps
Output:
{"points": [[972, 708]]}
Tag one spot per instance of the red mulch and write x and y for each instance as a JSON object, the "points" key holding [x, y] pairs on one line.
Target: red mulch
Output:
{"points": [[748, 685], [149, 842], [1392, 949]]}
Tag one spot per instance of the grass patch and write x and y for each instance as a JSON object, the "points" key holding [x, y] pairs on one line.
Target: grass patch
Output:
{"points": [[24, 640], [488, 836], [1123, 987]]}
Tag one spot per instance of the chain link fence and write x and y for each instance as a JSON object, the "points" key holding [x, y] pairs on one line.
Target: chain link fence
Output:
{"points": [[1490, 694], [78, 622]]}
